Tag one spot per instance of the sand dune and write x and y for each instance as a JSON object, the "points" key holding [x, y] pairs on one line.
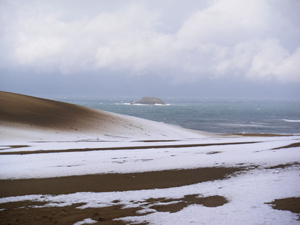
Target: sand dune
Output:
{"points": [[46, 119], [76, 165], [43, 113]]}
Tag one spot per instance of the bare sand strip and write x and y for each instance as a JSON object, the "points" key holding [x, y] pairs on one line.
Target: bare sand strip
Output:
{"points": [[16, 213], [293, 145], [24, 213], [113, 182], [124, 148]]}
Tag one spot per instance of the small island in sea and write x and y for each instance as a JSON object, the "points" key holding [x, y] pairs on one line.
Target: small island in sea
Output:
{"points": [[149, 101]]}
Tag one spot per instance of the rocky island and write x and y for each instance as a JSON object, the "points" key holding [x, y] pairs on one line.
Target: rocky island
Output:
{"points": [[149, 101]]}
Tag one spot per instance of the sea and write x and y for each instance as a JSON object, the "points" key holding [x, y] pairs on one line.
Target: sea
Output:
{"points": [[217, 115]]}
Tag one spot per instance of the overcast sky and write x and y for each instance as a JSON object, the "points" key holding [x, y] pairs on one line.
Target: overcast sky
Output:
{"points": [[215, 48]]}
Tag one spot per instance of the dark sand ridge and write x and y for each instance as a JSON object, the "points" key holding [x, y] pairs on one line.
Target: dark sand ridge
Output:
{"points": [[48, 114], [296, 144], [7, 147], [120, 148]]}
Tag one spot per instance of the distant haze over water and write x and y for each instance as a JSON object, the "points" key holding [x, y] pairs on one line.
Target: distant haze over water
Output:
{"points": [[210, 115]]}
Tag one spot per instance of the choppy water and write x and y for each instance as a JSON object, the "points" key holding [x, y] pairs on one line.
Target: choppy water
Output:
{"points": [[211, 115]]}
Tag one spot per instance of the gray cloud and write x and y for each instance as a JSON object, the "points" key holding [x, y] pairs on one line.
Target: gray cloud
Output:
{"points": [[256, 40]]}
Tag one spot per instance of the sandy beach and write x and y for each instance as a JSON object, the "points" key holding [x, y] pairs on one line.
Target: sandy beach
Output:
{"points": [[67, 164]]}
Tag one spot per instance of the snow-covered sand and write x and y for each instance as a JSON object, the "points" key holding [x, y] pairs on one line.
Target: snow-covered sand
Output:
{"points": [[101, 143]]}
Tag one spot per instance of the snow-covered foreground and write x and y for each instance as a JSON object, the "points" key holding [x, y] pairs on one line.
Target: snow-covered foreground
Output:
{"points": [[269, 174], [49, 147], [247, 195], [160, 156]]}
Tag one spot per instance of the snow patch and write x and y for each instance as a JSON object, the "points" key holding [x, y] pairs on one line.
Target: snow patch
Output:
{"points": [[85, 221]]}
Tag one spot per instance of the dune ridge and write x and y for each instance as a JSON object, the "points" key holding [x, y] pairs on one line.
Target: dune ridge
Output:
{"points": [[46, 119], [22, 109]]}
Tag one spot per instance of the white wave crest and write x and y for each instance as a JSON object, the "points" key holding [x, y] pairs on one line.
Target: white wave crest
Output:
{"points": [[242, 125], [292, 121]]}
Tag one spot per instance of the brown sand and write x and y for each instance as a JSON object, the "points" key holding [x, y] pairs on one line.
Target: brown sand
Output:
{"points": [[113, 182], [211, 201], [284, 166], [47, 114], [17, 213], [117, 148], [23, 213], [289, 204], [293, 145]]}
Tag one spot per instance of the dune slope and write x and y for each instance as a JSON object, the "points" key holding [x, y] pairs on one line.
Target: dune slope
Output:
{"points": [[16, 108], [42, 118]]}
